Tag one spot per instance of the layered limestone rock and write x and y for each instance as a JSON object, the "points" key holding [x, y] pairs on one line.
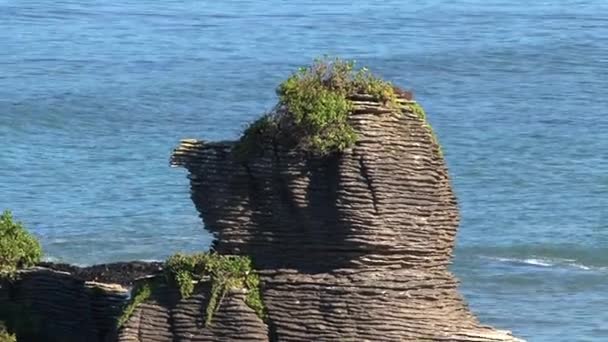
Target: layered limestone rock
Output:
{"points": [[351, 246], [351, 236], [167, 318], [71, 304], [42, 304]]}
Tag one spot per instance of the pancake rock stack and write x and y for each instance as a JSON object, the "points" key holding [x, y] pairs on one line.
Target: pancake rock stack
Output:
{"points": [[351, 246]]}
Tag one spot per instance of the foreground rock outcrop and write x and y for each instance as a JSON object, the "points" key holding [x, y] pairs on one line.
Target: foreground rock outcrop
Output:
{"points": [[167, 318], [60, 303], [65, 303]]}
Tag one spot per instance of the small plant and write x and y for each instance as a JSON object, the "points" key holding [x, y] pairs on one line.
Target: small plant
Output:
{"points": [[225, 272], [314, 105], [18, 248], [419, 112], [5, 336], [264, 128], [139, 295]]}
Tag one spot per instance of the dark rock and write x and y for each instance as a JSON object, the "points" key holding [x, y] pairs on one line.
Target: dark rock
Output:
{"points": [[123, 273]]}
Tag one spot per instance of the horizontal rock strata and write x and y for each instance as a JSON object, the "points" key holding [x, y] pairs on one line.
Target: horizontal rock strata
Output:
{"points": [[44, 304], [167, 318], [351, 246], [354, 246]]}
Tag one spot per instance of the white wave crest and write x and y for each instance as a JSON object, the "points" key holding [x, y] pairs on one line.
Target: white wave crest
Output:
{"points": [[545, 262]]}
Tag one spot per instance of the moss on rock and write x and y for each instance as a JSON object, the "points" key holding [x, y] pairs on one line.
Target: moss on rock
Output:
{"points": [[419, 111], [138, 295], [224, 272]]}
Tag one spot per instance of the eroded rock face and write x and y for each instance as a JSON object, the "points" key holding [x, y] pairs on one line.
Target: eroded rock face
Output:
{"points": [[43, 304], [67, 305], [352, 246], [167, 318]]}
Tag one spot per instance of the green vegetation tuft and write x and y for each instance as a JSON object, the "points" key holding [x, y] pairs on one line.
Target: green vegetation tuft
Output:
{"points": [[6, 337], [314, 106], [260, 130], [139, 295], [225, 272], [419, 111], [18, 248]]}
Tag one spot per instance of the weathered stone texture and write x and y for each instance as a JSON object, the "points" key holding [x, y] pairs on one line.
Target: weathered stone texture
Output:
{"points": [[165, 317], [49, 305], [352, 246]]}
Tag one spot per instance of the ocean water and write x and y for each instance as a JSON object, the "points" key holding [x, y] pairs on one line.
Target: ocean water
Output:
{"points": [[95, 94]]}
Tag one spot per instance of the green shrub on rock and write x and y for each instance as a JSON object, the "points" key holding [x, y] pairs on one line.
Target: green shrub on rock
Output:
{"points": [[184, 272], [138, 295], [225, 272], [18, 248], [314, 105]]}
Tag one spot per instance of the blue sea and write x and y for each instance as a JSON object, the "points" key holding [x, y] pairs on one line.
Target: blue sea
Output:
{"points": [[95, 94]]}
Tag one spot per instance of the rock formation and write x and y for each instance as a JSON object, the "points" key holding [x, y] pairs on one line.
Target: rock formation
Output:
{"points": [[351, 246], [60, 303], [68, 303]]}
